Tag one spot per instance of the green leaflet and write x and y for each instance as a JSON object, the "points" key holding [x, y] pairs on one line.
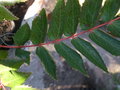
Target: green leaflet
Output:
{"points": [[114, 28], [71, 57], [9, 76], [39, 28], [24, 55], [6, 65], [110, 9], [3, 54], [106, 41], [89, 14], [89, 52], [13, 78], [5, 14], [22, 35], [47, 61], [72, 13], [57, 23]]}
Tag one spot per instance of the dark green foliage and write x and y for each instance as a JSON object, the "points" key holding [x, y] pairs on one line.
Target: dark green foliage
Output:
{"points": [[106, 41], [39, 28], [11, 64], [3, 54], [114, 28], [72, 14], [110, 9], [57, 23], [65, 19], [24, 55], [71, 57], [89, 52], [22, 35], [47, 61], [89, 14]]}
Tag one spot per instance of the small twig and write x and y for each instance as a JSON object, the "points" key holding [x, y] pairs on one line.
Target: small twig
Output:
{"points": [[6, 34], [3, 42]]}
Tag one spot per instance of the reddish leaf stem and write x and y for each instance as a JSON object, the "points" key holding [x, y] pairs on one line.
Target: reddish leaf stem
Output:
{"points": [[62, 39]]}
